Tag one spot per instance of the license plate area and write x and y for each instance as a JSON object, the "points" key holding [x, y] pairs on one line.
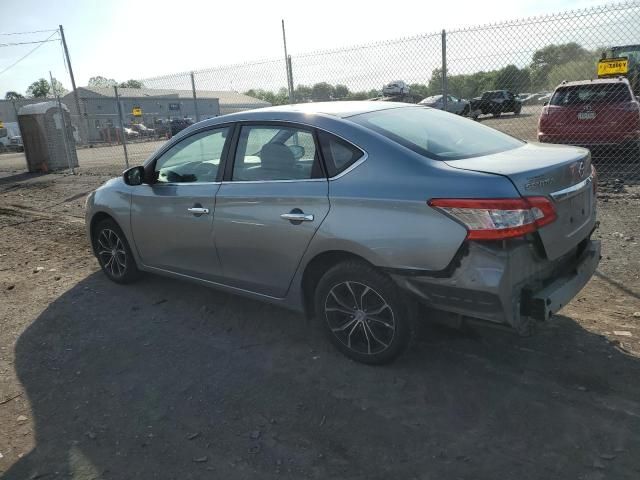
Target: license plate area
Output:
{"points": [[575, 211], [587, 115]]}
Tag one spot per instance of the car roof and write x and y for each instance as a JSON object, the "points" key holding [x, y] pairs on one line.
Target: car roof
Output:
{"points": [[341, 109], [594, 81]]}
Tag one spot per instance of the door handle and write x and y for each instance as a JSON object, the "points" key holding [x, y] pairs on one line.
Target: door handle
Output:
{"points": [[297, 217], [198, 210]]}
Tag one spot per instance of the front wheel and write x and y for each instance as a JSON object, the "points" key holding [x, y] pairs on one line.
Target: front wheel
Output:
{"points": [[113, 252], [363, 312]]}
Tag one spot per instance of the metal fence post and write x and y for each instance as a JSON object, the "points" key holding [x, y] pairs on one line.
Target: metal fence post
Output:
{"points": [[287, 65], [195, 99], [64, 125], [444, 69], [292, 98], [122, 132]]}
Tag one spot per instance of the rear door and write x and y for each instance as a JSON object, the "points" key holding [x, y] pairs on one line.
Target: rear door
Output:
{"points": [[270, 205]]}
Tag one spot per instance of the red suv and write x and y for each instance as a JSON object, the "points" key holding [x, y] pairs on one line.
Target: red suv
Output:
{"points": [[592, 113]]}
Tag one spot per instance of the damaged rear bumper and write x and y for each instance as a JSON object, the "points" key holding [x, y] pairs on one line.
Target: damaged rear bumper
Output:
{"points": [[510, 284]]}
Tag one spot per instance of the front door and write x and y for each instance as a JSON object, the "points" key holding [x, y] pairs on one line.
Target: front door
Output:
{"points": [[270, 207], [172, 219]]}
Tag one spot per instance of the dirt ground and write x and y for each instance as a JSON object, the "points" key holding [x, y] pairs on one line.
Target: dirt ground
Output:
{"points": [[165, 379]]}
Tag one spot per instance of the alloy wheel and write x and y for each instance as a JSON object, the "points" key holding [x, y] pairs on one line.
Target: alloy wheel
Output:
{"points": [[360, 318], [112, 253]]}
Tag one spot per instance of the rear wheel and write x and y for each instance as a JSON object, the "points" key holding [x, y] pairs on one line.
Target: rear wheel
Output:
{"points": [[517, 110], [114, 253], [363, 313]]}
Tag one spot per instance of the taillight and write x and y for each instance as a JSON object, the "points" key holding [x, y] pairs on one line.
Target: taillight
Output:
{"points": [[498, 219], [631, 106]]}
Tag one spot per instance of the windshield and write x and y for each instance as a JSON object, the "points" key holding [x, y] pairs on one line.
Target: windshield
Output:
{"points": [[591, 93], [436, 134], [631, 52]]}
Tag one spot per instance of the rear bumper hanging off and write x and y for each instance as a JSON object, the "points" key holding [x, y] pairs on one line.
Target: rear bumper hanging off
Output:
{"points": [[510, 286]]}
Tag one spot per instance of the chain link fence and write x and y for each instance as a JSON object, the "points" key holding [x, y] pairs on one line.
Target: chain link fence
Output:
{"points": [[534, 78]]}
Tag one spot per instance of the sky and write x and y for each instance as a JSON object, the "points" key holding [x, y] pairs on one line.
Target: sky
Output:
{"points": [[124, 39]]}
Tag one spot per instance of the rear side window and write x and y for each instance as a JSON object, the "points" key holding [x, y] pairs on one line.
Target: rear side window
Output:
{"points": [[436, 134], [338, 154], [591, 93]]}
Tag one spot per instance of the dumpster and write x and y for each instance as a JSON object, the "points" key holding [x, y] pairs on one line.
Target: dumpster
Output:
{"points": [[47, 135]]}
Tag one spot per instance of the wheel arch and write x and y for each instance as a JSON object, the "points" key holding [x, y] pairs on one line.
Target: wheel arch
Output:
{"points": [[97, 218], [316, 268]]}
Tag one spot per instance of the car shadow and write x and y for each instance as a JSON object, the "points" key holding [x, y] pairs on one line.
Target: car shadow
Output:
{"points": [[165, 379]]}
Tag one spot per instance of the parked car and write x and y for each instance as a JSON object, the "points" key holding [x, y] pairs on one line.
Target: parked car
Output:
{"points": [[592, 112], [179, 124], [162, 127], [130, 133], [495, 102], [405, 207], [10, 138], [455, 105], [397, 87], [143, 130]]}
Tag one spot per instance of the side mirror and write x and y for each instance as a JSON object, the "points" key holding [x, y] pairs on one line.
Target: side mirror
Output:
{"points": [[133, 176], [545, 104]]}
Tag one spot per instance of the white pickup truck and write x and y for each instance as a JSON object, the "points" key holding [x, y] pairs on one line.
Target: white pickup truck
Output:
{"points": [[10, 138]]}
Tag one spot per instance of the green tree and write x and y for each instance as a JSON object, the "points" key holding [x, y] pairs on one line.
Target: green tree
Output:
{"points": [[131, 84], [39, 89], [100, 81], [513, 79], [575, 70], [322, 91], [545, 59], [341, 92], [11, 95], [419, 90], [302, 93]]}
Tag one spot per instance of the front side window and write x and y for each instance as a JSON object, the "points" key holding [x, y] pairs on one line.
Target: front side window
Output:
{"points": [[193, 159], [436, 134], [275, 153]]}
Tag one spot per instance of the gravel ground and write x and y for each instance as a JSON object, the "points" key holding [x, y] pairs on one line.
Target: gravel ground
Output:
{"points": [[165, 379]]}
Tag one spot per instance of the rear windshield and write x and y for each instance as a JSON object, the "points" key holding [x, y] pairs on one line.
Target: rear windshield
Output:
{"points": [[591, 93], [436, 134]]}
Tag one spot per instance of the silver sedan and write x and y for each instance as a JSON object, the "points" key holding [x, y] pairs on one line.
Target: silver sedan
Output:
{"points": [[459, 106], [367, 216]]}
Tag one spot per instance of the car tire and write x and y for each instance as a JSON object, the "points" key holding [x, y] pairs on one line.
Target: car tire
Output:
{"points": [[517, 110], [113, 252], [465, 111], [363, 313], [497, 112]]}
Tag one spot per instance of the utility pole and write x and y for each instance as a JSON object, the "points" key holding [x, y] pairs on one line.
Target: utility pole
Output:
{"points": [[64, 125], [287, 65], [73, 81]]}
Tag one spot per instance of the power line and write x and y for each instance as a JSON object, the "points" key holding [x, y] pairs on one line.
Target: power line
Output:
{"points": [[26, 43], [27, 33], [25, 56]]}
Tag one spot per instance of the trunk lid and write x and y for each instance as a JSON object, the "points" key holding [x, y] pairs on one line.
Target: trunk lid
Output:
{"points": [[560, 173]]}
